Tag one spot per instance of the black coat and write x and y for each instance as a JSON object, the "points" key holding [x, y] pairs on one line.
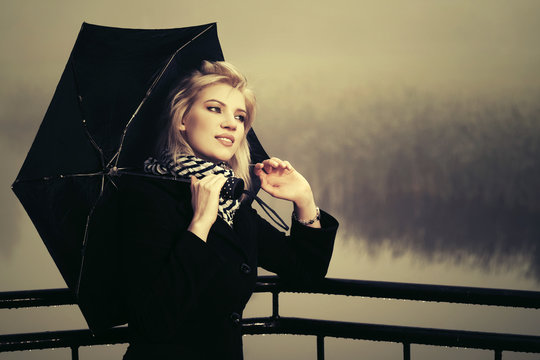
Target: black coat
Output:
{"points": [[186, 296]]}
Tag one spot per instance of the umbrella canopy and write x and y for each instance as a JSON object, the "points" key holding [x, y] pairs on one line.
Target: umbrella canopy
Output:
{"points": [[104, 120]]}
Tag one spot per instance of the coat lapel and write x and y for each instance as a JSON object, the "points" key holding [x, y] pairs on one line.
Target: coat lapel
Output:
{"points": [[222, 230]]}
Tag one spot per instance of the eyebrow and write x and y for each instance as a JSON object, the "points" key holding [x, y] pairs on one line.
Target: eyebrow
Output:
{"points": [[225, 105]]}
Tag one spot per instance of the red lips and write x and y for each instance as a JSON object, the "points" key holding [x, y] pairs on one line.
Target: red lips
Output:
{"points": [[226, 136]]}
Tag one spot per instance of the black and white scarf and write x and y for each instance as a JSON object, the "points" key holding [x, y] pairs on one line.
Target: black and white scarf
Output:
{"points": [[184, 166]]}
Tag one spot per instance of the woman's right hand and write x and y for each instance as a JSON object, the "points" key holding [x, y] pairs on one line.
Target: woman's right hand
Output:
{"points": [[205, 201]]}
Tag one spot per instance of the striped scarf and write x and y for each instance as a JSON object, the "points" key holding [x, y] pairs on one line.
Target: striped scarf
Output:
{"points": [[184, 166]]}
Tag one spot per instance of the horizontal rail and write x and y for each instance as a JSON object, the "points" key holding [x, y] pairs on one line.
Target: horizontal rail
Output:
{"points": [[319, 328], [377, 289], [35, 298], [391, 333], [407, 291], [61, 339], [297, 326]]}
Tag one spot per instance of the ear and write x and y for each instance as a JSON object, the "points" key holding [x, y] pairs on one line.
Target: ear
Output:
{"points": [[182, 125]]}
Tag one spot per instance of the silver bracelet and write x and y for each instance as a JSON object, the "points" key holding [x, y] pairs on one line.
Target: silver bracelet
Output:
{"points": [[308, 222]]}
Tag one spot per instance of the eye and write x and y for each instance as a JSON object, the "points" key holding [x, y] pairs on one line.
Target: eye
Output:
{"points": [[215, 109], [242, 118]]}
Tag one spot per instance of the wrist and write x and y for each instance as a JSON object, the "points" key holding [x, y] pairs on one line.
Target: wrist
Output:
{"points": [[313, 221], [307, 213], [305, 201], [199, 229]]}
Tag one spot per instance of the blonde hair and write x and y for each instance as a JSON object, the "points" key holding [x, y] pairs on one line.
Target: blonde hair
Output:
{"points": [[183, 98]]}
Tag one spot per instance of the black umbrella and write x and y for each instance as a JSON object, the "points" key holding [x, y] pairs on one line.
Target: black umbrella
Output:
{"points": [[103, 122]]}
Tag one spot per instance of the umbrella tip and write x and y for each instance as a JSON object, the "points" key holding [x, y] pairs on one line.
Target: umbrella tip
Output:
{"points": [[113, 171]]}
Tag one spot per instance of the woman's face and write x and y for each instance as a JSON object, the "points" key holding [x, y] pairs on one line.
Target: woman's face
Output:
{"points": [[214, 127]]}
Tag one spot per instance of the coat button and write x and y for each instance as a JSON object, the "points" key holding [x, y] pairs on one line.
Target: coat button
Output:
{"points": [[235, 317], [245, 268]]}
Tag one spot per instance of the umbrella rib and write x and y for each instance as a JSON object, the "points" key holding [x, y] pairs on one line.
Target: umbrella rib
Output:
{"points": [[80, 105], [152, 176], [149, 91], [47, 178], [85, 237]]}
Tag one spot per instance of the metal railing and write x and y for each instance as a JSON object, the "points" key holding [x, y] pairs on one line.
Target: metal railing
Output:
{"points": [[276, 324]]}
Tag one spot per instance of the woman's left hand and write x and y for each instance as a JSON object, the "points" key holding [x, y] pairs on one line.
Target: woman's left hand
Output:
{"points": [[281, 180]]}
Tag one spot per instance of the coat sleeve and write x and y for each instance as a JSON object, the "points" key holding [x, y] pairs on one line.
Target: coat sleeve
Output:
{"points": [[302, 257], [166, 266]]}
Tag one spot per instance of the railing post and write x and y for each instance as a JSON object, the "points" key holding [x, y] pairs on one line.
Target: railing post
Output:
{"points": [[406, 351], [74, 353], [498, 355], [320, 347], [275, 304]]}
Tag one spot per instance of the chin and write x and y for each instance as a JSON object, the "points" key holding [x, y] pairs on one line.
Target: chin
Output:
{"points": [[226, 159], [216, 158]]}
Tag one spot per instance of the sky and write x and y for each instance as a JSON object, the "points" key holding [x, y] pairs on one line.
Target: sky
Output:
{"points": [[344, 74]]}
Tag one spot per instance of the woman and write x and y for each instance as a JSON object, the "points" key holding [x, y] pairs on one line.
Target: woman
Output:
{"points": [[191, 256]]}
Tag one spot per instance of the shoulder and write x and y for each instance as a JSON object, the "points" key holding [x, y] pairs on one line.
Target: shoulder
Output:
{"points": [[138, 193], [143, 186]]}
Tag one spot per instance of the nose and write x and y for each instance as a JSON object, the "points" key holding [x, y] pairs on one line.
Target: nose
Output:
{"points": [[229, 122]]}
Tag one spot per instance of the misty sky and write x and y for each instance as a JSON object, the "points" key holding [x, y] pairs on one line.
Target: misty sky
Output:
{"points": [[304, 58]]}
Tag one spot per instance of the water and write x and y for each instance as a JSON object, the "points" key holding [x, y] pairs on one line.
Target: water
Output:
{"points": [[428, 189], [436, 178]]}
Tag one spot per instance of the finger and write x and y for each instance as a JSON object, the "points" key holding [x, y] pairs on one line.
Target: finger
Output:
{"points": [[205, 183], [280, 163], [271, 162], [211, 178], [267, 166], [200, 183], [288, 165], [276, 163], [259, 167], [216, 182], [194, 182]]}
